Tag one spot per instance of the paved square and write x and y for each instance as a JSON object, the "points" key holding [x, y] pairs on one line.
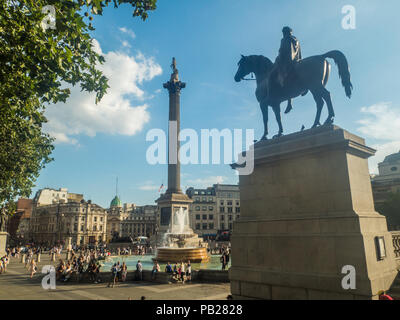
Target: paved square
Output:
{"points": [[16, 284]]}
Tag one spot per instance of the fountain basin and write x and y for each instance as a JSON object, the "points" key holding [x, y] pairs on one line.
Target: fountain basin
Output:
{"points": [[173, 255]]}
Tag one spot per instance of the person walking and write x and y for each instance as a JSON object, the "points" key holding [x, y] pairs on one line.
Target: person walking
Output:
{"points": [[113, 278], [32, 267], [156, 269], [124, 272], [183, 273], [188, 271], [139, 269]]}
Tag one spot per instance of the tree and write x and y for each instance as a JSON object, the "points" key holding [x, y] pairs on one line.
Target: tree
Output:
{"points": [[390, 208], [45, 46]]}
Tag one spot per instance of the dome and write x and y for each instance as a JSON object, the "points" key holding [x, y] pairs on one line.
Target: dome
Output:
{"points": [[392, 157], [116, 202]]}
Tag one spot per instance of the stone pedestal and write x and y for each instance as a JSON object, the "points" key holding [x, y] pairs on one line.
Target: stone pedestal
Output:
{"points": [[306, 212], [167, 204], [3, 243]]}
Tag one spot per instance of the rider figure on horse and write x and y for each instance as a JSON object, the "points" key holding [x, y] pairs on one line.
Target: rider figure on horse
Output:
{"points": [[289, 53]]}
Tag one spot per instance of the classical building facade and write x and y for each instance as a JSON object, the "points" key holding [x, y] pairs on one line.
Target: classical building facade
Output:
{"points": [[84, 222], [384, 185], [58, 214], [388, 179], [214, 208], [140, 222]]}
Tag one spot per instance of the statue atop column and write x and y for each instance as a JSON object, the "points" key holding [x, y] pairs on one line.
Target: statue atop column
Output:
{"points": [[174, 75]]}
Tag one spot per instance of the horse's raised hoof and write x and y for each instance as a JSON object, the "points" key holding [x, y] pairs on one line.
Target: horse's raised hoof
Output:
{"points": [[288, 109]]}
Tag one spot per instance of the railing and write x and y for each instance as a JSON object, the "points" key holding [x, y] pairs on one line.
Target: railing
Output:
{"points": [[396, 243]]}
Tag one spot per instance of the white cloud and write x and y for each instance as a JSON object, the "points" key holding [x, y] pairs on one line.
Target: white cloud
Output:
{"points": [[125, 44], [129, 32], [381, 122], [115, 113], [206, 181], [149, 186]]}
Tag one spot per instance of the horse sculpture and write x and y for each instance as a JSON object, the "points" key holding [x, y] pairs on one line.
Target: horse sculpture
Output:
{"points": [[311, 74]]}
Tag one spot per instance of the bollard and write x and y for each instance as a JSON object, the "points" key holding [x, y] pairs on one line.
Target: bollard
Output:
{"points": [[53, 257], [130, 252], [67, 255], [23, 257], [38, 257]]}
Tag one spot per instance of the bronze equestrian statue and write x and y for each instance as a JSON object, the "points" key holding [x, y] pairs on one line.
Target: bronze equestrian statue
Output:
{"points": [[291, 77]]}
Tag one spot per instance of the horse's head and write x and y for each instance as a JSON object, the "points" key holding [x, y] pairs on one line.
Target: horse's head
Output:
{"points": [[244, 68]]}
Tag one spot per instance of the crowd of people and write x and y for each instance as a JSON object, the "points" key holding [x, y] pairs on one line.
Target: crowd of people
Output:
{"points": [[84, 261], [180, 271]]}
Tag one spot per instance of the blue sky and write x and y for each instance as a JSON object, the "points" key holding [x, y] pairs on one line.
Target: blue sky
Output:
{"points": [[207, 38]]}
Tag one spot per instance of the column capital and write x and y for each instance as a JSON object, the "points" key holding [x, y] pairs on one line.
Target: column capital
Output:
{"points": [[174, 86]]}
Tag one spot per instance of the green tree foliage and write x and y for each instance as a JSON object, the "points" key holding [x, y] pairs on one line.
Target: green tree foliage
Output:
{"points": [[37, 64], [391, 210]]}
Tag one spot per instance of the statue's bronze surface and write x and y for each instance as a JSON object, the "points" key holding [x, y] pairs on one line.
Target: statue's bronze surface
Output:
{"points": [[291, 76]]}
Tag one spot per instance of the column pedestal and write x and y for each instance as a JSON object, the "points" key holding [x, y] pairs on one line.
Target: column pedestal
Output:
{"points": [[306, 212], [3, 243]]}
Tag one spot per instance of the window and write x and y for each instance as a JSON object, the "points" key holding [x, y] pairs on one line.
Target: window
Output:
{"points": [[197, 217], [197, 226], [237, 203], [94, 228], [75, 227], [83, 218], [222, 226], [237, 216], [197, 208], [197, 199], [204, 208], [101, 219], [230, 226], [95, 219], [229, 209], [101, 228], [229, 203], [204, 217], [196, 192], [76, 218], [222, 202], [210, 199], [81, 227], [221, 209], [204, 226], [210, 208], [237, 209], [230, 217], [393, 168], [204, 199], [211, 217], [222, 217], [211, 226]]}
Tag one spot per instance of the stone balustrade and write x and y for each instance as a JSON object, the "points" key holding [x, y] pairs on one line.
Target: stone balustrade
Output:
{"points": [[396, 243]]}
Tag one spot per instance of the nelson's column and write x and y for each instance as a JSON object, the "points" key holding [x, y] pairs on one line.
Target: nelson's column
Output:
{"points": [[174, 198]]}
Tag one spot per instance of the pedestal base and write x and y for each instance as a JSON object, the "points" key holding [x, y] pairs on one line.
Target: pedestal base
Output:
{"points": [[306, 212], [3, 243]]}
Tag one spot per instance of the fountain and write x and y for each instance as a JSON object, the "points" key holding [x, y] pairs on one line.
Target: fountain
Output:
{"points": [[180, 243]]}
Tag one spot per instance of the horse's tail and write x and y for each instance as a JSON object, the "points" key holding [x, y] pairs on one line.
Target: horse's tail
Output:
{"points": [[343, 67]]}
